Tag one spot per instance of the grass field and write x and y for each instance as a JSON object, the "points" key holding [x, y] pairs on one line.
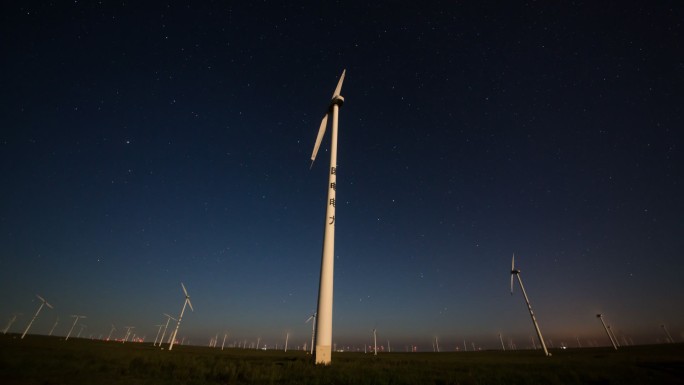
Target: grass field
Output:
{"points": [[50, 360]]}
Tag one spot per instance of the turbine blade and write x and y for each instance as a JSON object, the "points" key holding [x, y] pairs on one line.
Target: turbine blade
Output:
{"points": [[319, 138], [48, 305], [184, 291], [513, 262], [308, 319], [338, 89], [511, 283], [190, 303]]}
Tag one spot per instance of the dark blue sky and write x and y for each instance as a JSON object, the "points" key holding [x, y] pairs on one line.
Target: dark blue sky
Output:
{"points": [[145, 145]]}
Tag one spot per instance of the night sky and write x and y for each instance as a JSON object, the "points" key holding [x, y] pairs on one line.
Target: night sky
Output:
{"points": [[145, 145]]}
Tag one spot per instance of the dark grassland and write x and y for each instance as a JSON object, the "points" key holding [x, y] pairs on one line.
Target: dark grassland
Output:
{"points": [[51, 360]]}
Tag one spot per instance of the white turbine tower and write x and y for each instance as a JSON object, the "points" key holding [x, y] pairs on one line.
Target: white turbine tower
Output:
{"points": [[325, 289], [224, 340], [516, 273], [76, 318], [11, 321], [287, 337], [157, 336], [667, 333], [610, 336], [43, 302], [503, 347], [180, 317], [168, 318], [375, 342], [110, 332], [53, 327], [313, 329]]}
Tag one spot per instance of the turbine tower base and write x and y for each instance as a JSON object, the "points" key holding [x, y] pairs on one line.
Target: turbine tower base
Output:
{"points": [[323, 355]]}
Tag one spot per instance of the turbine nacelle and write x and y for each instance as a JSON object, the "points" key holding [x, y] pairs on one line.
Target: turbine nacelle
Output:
{"points": [[338, 100]]}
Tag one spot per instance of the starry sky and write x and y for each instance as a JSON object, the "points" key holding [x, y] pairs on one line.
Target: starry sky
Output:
{"points": [[145, 145]]}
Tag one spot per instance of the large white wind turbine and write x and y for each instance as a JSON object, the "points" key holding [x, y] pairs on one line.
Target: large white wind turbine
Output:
{"points": [[375, 342], [76, 318], [180, 317], [516, 273], [43, 302], [325, 289], [313, 329], [610, 336]]}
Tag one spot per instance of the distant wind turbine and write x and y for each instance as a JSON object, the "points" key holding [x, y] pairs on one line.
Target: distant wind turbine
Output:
{"points": [[81, 331], [53, 327], [11, 321], [313, 329], [128, 333], [325, 289], [375, 342], [168, 318], [224, 340], [503, 347], [43, 302], [110, 332], [667, 333], [600, 317], [180, 317], [287, 337], [76, 318], [160, 326], [516, 273]]}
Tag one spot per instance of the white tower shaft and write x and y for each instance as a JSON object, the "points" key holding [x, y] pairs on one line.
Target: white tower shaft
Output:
{"points": [[325, 290], [175, 332], [534, 320], [33, 319]]}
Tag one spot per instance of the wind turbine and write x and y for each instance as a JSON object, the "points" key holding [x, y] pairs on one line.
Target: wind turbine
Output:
{"points": [[43, 302], [81, 331], [157, 336], [600, 316], [502, 344], [11, 321], [224, 341], [180, 317], [128, 333], [325, 289], [313, 329], [168, 318], [76, 317], [375, 342], [110, 332], [516, 273], [667, 333], [287, 337], [53, 327]]}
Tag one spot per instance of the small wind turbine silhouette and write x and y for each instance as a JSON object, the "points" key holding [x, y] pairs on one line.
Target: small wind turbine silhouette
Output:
{"points": [[53, 327], [110, 332], [313, 329], [516, 273], [11, 321], [180, 317], [503, 347], [76, 318], [43, 302], [375, 342], [667, 333], [600, 317], [325, 289], [157, 336], [168, 318]]}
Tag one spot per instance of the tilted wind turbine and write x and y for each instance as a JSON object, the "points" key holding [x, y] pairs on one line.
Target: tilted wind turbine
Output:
{"points": [[110, 332], [180, 317], [325, 289], [168, 318], [76, 318], [610, 336], [11, 321], [516, 273], [43, 302], [53, 327], [313, 329]]}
